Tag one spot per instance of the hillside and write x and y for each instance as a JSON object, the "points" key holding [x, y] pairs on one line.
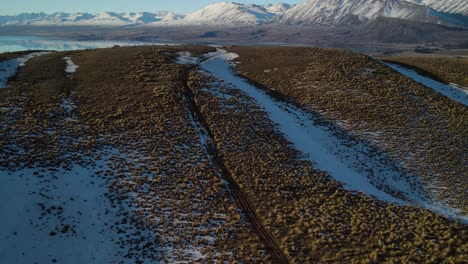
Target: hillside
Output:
{"points": [[165, 154], [448, 70], [446, 6], [363, 97], [336, 11], [392, 30], [226, 13]]}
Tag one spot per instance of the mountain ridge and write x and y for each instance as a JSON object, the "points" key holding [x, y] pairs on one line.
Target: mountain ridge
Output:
{"points": [[311, 12], [446, 6], [337, 11]]}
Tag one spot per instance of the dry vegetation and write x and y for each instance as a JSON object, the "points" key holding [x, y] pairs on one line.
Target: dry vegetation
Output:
{"points": [[32, 119], [448, 70], [228, 194], [173, 204], [412, 123], [313, 219], [139, 101]]}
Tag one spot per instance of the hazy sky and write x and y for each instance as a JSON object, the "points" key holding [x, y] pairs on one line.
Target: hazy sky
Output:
{"points": [[12, 7]]}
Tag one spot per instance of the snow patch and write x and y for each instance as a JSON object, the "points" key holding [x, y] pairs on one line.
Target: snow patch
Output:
{"points": [[8, 68], [186, 58], [71, 66]]}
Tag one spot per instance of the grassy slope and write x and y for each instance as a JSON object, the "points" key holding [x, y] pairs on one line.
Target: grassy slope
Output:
{"points": [[136, 94], [449, 70], [36, 90], [414, 124], [313, 217], [131, 99]]}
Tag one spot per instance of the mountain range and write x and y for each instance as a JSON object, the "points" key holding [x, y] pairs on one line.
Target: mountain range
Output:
{"points": [[311, 12], [446, 6]]}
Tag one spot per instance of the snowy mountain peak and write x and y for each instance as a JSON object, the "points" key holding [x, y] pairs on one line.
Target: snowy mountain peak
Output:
{"points": [[229, 13], [311, 12], [86, 19], [150, 18], [335, 11], [277, 8]]}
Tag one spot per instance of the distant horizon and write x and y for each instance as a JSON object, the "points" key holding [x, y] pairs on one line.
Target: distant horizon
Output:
{"points": [[118, 6]]}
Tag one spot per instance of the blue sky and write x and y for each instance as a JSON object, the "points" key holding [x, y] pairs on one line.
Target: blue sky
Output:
{"points": [[12, 7]]}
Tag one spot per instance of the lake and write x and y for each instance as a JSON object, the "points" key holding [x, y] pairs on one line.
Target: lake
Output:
{"points": [[19, 43]]}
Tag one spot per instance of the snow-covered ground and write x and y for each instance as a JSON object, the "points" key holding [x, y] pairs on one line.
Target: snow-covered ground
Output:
{"points": [[56, 216], [186, 57], [354, 165], [449, 90], [8, 68], [62, 213]]}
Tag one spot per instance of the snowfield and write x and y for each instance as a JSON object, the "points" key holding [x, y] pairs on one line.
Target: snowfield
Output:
{"points": [[53, 215], [449, 90], [354, 165]]}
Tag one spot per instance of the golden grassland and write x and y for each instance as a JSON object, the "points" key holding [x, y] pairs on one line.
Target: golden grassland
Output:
{"points": [[129, 99], [139, 97], [447, 69], [411, 122], [138, 101], [310, 215]]}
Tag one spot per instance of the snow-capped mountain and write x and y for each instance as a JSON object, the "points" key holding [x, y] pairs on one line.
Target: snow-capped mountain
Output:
{"points": [[311, 12], [335, 11], [86, 19], [277, 8], [227, 13], [23, 19], [223, 13], [446, 6], [148, 18], [104, 19]]}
